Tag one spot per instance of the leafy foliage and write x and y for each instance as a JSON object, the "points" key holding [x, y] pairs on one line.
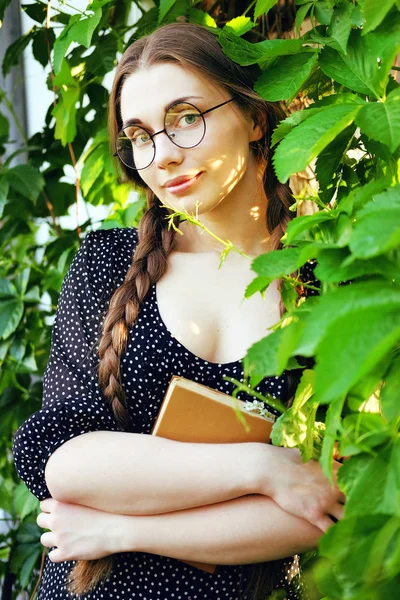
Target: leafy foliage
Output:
{"points": [[344, 341]]}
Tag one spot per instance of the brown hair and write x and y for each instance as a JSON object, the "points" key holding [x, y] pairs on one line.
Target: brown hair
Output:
{"points": [[196, 48]]}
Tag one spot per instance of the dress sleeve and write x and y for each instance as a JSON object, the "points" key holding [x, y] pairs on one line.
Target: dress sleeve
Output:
{"points": [[73, 403]]}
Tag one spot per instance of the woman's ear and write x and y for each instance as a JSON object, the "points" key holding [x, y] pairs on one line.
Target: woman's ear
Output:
{"points": [[257, 131]]}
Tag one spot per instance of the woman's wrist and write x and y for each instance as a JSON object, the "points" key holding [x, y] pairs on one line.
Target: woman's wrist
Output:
{"points": [[269, 469], [125, 533]]}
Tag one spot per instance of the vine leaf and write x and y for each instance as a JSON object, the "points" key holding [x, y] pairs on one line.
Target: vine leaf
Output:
{"points": [[381, 120], [283, 80], [374, 12], [309, 138]]}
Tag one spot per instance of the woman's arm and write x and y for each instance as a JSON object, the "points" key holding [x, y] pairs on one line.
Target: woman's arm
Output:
{"points": [[240, 531], [135, 474]]}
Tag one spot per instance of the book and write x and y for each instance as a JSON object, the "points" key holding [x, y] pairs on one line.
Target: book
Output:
{"points": [[193, 412]]}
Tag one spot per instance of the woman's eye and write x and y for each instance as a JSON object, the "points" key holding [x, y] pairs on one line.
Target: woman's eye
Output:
{"points": [[188, 119], [140, 138]]}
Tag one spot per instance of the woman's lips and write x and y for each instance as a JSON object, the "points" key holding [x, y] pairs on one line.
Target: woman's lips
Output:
{"points": [[181, 187]]}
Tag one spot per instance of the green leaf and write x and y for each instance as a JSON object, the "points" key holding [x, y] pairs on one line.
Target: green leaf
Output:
{"points": [[262, 7], [308, 139], [26, 571], [372, 483], [96, 164], [294, 428], [82, 31], [4, 128], [330, 158], [24, 501], [239, 25], [13, 52], [340, 26], [246, 53], [7, 289], [102, 59], [390, 391], [21, 280], [372, 335], [203, 18], [3, 6], [262, 358], [40, 47], [323, 12], [361, 195], [283, 80], [26, 180], [35, 11], [277, 263], [259, 284], [379, 296], [361, 432], [61, 46], [65, 110], [347, 548], [299, 225], [377, 227], [374, 12], [4, 187], [165, 6], [337, 264], [301, 15], [381, 120], [360, 70], [79, 30], [11, 312], [333, 423]]}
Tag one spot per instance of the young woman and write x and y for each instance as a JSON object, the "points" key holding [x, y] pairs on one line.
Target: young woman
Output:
{"points": [[139, 306]]}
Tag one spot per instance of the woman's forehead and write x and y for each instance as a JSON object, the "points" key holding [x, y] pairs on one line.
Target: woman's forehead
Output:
{"points": [[148, 91]]}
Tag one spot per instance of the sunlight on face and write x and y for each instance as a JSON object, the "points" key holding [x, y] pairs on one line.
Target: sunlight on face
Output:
{"points": [[217, 165]]}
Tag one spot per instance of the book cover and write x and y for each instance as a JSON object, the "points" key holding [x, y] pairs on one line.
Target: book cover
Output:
{"points": [[193, 412]]}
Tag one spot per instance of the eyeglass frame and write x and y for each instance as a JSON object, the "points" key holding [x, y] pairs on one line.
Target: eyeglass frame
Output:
{"points": [[153, 135]]}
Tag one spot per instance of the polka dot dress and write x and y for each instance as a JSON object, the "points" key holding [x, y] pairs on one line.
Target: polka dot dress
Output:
{"points": [[73, 404]]}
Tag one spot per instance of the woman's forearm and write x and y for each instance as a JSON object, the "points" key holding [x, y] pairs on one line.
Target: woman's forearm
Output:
{"points": [[240, 531], [135, 474]]}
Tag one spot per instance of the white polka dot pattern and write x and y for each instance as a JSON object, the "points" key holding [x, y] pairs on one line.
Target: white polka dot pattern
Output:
{"points": [[73, 404]]}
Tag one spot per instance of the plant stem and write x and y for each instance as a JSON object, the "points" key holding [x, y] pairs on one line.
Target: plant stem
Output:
{"points": [[250, 6], [273, 402]]}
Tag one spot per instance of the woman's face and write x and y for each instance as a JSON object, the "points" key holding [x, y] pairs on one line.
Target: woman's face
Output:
{"points": [[217, 164]]}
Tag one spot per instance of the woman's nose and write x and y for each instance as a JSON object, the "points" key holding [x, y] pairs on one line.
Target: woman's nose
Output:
{"points": [[166, 151]]}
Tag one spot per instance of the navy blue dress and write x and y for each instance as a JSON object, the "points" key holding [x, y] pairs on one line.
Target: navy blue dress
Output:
{"points": [[73, 404]]}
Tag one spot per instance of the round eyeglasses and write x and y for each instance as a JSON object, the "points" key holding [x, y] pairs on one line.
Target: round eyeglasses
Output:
{"points": [[184, 125]]}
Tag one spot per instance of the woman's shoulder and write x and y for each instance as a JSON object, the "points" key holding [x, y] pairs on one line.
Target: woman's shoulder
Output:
{"points": [[114, 239], [103, 257]]}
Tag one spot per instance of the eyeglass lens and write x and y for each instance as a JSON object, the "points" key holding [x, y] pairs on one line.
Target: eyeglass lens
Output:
{"points": [[184, 125]]}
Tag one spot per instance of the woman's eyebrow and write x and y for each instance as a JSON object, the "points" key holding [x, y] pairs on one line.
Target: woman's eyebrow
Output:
{"points": [[134, 121]]}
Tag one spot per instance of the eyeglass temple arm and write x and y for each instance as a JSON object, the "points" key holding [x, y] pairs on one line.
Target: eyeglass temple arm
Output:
{"points": [[218, 105]]}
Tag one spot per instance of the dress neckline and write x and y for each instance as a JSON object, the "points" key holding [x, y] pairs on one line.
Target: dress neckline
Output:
{"points": [[178, 343]]}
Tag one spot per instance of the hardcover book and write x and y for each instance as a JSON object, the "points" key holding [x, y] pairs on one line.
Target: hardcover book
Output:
{"points": [[193, 412]]}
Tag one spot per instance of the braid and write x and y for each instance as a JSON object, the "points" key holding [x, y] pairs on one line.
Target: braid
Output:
{"points": [[148, 265]]}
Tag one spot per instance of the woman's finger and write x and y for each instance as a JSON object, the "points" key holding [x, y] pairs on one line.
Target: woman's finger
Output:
{"points": [[337, 511], [48, 539], [47, 505], [43, 521], [323, 523], [56, 555]]}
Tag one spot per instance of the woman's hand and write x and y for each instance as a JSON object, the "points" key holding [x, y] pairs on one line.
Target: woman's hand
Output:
{"points": [[302, 488], [78, 532]]}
